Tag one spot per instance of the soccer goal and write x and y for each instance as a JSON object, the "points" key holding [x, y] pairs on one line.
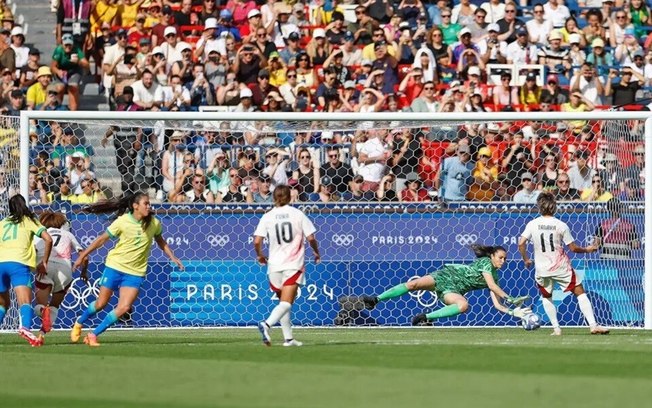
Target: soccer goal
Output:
{"points": [[384, 210]]}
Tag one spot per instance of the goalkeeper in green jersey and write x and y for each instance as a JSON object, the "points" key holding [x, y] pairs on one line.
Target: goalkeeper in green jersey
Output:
{"points": [[451, 282]]}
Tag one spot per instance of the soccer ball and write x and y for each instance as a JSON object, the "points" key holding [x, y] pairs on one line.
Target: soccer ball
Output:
{"points": [[531, 321]]}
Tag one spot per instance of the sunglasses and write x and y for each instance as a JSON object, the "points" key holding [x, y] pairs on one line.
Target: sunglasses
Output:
{"points": [[445, 16], [510, 11], [197, 182], [597, 180], [292, 76], [563, 181], [304, 157], [233, 175], [428, 88], [333, 156], [170, 35]]}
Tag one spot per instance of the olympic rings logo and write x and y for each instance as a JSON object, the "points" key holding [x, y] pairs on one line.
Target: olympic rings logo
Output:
{"points": [[466, 239], [86, 240], [80, 293], [217, 240], [425, 298], [343, 240]]}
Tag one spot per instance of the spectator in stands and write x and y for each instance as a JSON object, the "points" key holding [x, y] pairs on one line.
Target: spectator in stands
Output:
{"points": [[641, 15], [530, 92], [463, 46], [158, 31], [208, 10], [37, 191], [198, 193], [15, 104], [386, 192], [18, 45], [520, 51], [405, 157], [144, 91], [450, 29], [454, 176], [78, 171], [91, 193], [318, 48], [555, 58], [185, 15], [103, 40], [125, 71], [248, 62], [509, 26], [564, 191], [426, 102], [549, 174], [414, 191], [201, 90], [635, 172], [73, 17], [486, 186], [306, 176], [555, 12], [28, 72], [600, 58], [65, 145], [552, 92], [581, 176], [291, 51], [299, 18], [491, 49], [216, 68], [386, 64], [264, 194], [372, 157], [626, 51], [479, 25], [7, 54], [577, 103], [173, 96], [277, 161], [528, 192], [594, 28], [306, 74], [518, 159], [462, 13], [351, 54], [217, 172], [335, 31], [37, 93], [113, 54], [339, 173], [233, 193], [68, 64], [623, 91], [617, 28], [436, 45], [356, 191], [597, 191], [641, 67], [610, 172], [282, 31], [287, 89], [504, 94], [539, 27]]}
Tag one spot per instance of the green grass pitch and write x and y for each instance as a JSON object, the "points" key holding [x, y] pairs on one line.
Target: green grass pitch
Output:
{"points": [[335, 368]]}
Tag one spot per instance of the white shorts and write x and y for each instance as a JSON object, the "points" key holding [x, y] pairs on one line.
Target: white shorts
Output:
{"points": [[286, 278], [567, 282], [59, 275]]}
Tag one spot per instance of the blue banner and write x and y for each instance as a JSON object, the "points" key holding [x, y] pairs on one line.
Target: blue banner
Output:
{"points": [[363, 253]]}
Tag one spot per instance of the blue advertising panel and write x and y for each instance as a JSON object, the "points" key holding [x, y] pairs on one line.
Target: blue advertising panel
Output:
{"points": [[362, 253]]}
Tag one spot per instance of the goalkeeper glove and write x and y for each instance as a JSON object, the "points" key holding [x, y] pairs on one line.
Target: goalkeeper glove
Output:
{"points": [[516, 301], [519, 312]]}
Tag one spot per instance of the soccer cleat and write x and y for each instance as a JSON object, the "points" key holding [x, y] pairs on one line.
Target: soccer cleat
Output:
{"points": [[33, 340], [369, 302], [599, 330], [264, 331], [75, 333], [91, 340], [46, 319], [292, 343], [420, 320], [556, 331]]}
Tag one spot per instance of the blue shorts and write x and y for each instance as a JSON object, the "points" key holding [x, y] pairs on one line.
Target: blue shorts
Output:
{"points": [[14, 274], [114, 279]]}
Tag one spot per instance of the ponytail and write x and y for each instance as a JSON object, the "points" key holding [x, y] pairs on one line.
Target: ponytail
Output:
{"points": [[482, 251], [18, 210], [119, 206]]}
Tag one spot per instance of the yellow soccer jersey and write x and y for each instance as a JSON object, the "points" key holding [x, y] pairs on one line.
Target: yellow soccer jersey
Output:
{"points": [[16, 241], [134, 245]]}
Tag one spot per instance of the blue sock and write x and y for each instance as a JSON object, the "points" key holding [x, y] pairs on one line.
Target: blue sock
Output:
{"points": [[26, 314], [3, 312], [108, 321], [88, 313]]}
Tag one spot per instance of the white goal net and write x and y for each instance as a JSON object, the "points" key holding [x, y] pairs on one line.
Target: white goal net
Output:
{"points": [[392, 196]]}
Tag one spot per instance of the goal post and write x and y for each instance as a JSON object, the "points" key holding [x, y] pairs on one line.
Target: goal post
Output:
{"points": [[368, 245]]}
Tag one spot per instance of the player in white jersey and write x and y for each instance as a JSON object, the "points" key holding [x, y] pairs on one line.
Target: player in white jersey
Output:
{"points": [[549, 236], [286, 228], [58, 277]]}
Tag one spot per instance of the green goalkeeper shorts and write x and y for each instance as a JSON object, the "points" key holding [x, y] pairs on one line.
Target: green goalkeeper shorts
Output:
{"points": [[444, 284]]}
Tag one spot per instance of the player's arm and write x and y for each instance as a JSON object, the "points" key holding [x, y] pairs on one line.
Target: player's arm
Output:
{"points": [[315, 247], [522, 249], [499, 293], [583, 250], [258, 246], [98, 243], [42, 267], [163, 244]]}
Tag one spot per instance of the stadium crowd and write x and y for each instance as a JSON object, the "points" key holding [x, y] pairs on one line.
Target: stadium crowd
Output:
{"points": [[331, 56]]}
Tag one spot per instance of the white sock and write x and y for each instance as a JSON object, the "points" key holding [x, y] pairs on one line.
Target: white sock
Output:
{"points": [[278, 312], [54, 311], [587, 309], [286, 326], [551, 311], [38, 310]]}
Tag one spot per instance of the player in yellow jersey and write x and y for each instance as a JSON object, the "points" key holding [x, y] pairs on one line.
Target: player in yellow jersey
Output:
{"points": [[18, 260], [126, 264]]}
